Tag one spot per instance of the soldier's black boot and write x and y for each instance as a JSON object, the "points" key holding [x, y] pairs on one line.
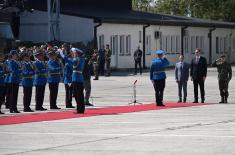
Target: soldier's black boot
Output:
{"points": [[222, 100]]}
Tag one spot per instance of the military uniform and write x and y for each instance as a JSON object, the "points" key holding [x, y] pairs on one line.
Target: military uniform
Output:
{"points": [[27, 83], [54, 72], [2, 85], [40, 81], [108, 54], [14, 80], [158, 76], [68, 70], [137, 58], [87, 81], [77, 78], [224, 76], [95, 61]]}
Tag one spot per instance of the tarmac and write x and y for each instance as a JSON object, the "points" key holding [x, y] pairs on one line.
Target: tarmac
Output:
{"points": [[199, 130]]}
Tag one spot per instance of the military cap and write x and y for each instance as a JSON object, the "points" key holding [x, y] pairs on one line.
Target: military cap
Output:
{"points": [[13, 52], [76, 50], [160, 52]]}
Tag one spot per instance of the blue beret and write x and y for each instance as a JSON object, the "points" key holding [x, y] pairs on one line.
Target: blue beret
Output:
{"points": [[76, 50], [160, 52], [13, 52]]}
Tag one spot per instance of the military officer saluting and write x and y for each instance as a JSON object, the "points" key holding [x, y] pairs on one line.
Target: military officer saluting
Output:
{"points": [[2, 78], [78, 62], [27, 81], [54, 72], [40, 78], [158, 75], [224, 76], [14, 80]]}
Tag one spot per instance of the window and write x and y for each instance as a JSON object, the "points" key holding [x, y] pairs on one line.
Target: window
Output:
{"points": [[173, 44], [226, 48], [178, 44], [128, 45], [122, 45], [148, 45], [193, 45], [140, 36], [221, 45], [114, 44], [101, 41], [186, 44], [198, 42], [217, 44], [162, 43], [168, 44], [202, 43]]}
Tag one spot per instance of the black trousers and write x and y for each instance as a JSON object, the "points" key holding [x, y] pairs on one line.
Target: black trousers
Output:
{"points": [[39, 96], [14, 89], [27, 97], [101, 67], [69, 95], [79, 96], [200, 83], [53, 87], [2, 94], [159, 86], [7, 94], [138, 63]]}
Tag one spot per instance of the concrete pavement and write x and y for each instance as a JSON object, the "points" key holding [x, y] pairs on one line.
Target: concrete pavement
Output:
{"points": [[205, 130]]}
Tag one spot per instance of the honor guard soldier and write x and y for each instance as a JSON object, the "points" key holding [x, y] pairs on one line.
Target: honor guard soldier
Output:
{"points": [[108, 54], [224, 76], [54, 72], [40, 78], [68, 70], [158, 75], [95, 61], [7, 83], [77, 78], [2, 82], [27, 80], [14, 80]]}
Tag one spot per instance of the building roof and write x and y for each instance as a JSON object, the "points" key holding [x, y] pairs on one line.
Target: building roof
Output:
{"points": [[114, 14]]}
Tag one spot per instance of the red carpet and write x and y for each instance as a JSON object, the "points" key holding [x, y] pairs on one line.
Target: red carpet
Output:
{"points": [[49, 116]]}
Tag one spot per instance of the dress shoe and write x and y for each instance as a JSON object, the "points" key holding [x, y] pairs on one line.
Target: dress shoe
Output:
{"points": [[41, 109], [89, 104], [57, 108], [179, 101], [95, 79], [79, 112], [160, 105], [195, 101], [70, 106], [28, 110], [202, 101]]}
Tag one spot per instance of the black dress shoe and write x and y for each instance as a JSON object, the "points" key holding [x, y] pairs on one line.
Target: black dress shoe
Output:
{"points": [[202, 101], [179, 101], [88, 104], [95, 79], [195, 101], [160, 105], [57, 108], [70, 106], [41, 109], [28, 110], [79, 112]]}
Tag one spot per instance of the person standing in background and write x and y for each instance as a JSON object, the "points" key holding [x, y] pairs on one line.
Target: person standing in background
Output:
{"points": [[101, 60], [137, 58], [108, 54]]}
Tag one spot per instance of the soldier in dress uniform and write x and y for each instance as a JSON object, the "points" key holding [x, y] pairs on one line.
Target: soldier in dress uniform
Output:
{"points": [[27, 80], [78, 62], [224, 76], [95, 61], [14, 80], [6, 81], [137, 58], [108, 54], [158, 75], [40, 78], [68, 70], [2, 78], [54, 73]]}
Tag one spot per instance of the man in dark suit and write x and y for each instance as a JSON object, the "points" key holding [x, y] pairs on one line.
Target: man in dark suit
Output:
{"points": [[181, 77], [198, 74]]}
